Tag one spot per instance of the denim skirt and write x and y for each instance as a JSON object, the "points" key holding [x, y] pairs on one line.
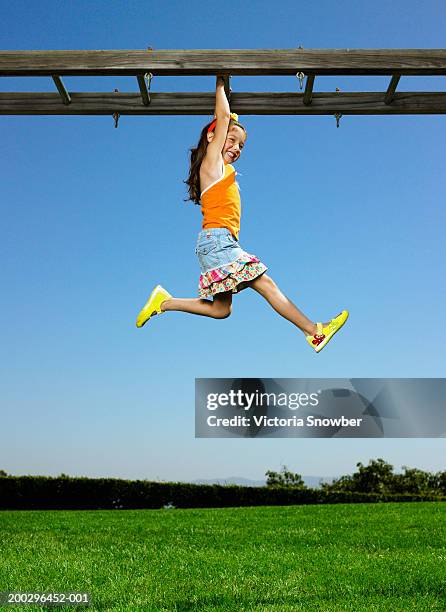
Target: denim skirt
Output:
{"points": [[224, 265]]}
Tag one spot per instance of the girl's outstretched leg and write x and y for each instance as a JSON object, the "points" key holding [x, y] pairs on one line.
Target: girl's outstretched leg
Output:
{"points": [[318, 334], [281, 304], [219, 308]]}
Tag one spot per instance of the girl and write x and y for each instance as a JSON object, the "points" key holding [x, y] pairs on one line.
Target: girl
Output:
{"points": [[225, 267]]}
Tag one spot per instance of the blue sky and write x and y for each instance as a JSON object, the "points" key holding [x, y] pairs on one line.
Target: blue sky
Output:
{"points": [[93, 217]]}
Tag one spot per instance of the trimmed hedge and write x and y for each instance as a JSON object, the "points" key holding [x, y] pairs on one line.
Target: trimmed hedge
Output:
{"points": [[65, 493]]}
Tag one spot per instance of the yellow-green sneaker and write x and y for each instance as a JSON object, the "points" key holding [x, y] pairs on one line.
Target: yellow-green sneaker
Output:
{"points": [[153, 305], [325, 334]]}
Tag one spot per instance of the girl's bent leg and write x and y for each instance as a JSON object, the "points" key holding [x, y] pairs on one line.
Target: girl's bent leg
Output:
{"points": [[281, 304], [219, 308]]}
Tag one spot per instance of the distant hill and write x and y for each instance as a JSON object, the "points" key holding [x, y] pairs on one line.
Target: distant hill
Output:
{"points": [[311, 481]]}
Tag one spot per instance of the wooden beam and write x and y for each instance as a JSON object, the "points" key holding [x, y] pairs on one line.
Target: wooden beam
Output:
{"points": [[224, 61], [61, 89], [308, 94], [227, 81], [145, 94], [391, 89], [248, 103]]}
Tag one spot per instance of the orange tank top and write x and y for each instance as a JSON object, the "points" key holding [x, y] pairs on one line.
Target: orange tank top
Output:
{"points": [[220, 202]]}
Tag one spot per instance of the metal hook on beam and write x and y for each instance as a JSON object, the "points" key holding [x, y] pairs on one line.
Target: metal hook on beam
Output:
{"points": [[337, 115], [300, 76], [148, 76], [116, 115]]}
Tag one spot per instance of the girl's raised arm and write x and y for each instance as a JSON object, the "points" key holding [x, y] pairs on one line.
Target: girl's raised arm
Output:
{"points": [[222, 114]]}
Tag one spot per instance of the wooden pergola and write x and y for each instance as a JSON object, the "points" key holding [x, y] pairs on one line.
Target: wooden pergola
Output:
{"points": [[144, 65]]}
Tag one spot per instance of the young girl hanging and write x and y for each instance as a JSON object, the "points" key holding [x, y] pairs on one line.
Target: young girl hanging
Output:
{"points": [[226, 268]]}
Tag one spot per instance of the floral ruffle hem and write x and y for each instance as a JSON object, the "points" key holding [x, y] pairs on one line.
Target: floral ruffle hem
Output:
{"points": [[231, 277]]}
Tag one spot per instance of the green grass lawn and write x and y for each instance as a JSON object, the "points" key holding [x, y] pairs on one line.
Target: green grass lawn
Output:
{"points": [[333, 557]]}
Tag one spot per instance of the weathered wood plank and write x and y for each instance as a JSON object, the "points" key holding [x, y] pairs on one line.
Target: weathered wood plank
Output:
{"points": [[227, 81], [61, 89], [308, 93], [198, 103], [224, 61], [388, 98], [145, 95]]}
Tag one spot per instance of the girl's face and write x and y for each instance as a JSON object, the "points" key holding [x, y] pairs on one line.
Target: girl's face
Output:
{"points": [[235, 141]]}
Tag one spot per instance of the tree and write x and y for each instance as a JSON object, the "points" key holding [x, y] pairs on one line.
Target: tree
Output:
{"points": [[376, 477], [440, 481], [3, 473], [284, 478], [413, 480]]}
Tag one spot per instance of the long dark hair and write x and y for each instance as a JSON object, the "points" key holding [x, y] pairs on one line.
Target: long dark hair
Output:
{"points": [[196, 157]]}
